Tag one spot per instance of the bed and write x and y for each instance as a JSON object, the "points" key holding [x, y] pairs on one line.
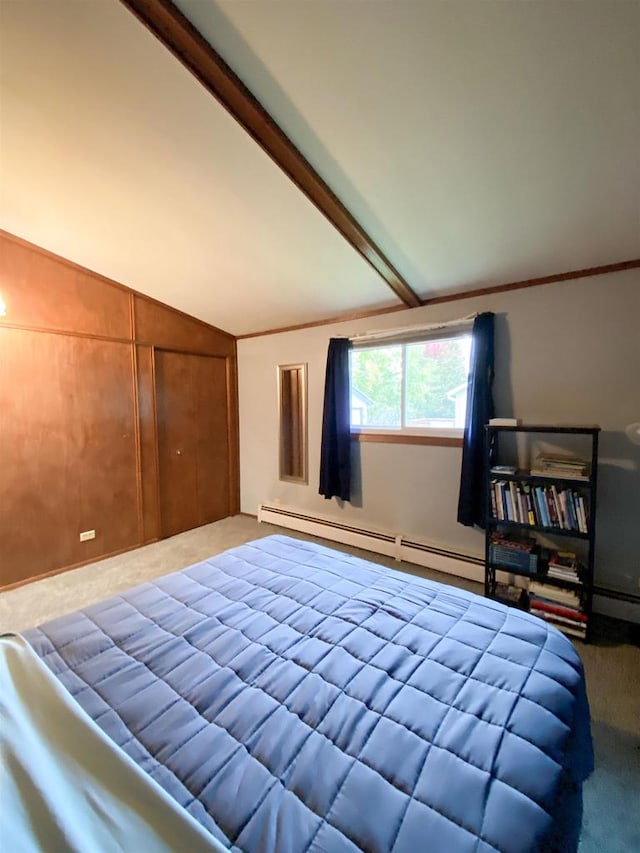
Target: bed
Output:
{"points": [[291, 697]]}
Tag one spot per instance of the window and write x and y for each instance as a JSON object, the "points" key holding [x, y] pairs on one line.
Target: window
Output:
{"points": [[292, 393], [414, 387]]}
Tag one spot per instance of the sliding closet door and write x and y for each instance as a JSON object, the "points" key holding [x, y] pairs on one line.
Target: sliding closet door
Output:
{"points": [[212, 452], [193, 447]]}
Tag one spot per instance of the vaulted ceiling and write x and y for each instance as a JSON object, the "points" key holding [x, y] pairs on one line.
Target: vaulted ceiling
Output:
{"points": [[475, 143]]}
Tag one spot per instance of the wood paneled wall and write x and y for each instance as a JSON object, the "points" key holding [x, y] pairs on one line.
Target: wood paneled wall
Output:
{"points": [[78, 431]]}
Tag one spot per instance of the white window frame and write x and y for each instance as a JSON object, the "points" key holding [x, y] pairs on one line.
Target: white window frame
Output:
{"points": [[403, 339]]}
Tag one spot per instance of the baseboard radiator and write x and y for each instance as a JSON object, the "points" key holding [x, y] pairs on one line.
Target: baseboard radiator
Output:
{"points": [[399, 547], [421, 553]]}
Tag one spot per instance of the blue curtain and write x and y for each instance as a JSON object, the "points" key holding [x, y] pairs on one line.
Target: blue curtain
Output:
{"points": [[471, 503], [335, 454]]}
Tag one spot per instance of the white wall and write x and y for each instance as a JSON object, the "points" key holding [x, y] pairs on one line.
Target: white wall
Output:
{"points": [[565, 353]]}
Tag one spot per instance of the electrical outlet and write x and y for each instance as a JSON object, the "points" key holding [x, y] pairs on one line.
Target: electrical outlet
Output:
{"points": [[86, 535]]}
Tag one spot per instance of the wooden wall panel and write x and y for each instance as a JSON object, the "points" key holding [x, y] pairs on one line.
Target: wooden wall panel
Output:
{"points": [[233, 435], [68, 456], [148, 444], [170, 330], [42, 291], [78, 430]]}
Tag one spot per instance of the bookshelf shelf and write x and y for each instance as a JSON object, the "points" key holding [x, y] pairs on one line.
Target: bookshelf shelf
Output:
{"points": [[541, 577], [568, 429], [554, 531], [558, 508], [538, 480]]}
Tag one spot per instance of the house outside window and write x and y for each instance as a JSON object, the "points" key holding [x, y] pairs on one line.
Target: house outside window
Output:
{"points": [[414, 387], [359, 408]]}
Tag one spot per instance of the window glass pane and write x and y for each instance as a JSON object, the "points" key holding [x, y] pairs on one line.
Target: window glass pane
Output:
{"points": [[376, 386], [436, 383]]}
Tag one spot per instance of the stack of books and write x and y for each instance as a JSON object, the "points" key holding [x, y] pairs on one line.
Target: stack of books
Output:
{"points": [[560, 607], [514, 553], [562, 467], [563, 565]]}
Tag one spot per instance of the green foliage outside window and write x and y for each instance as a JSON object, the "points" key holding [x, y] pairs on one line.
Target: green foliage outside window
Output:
{"points": [[433, 369]]}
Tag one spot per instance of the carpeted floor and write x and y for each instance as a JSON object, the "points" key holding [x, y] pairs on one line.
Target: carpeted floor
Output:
{"points": [[612, 663]]}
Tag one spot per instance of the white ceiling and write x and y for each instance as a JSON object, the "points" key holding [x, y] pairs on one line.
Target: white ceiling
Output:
{"points": [[476, 142]]}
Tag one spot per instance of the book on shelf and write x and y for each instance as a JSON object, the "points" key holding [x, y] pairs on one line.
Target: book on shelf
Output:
{"points": [[510, 506], [556, 475], [582, 514], [561, 467], [564, 559], [565, 612], [544, 519], [554, 594], [574, 629], [503, 469], [562, 571], [511, 422], [509, 593], [569, 575], [527, 545], [514, 553], [560, 461], [565, 509], [513, 560], [549, 596], [561, 620]]}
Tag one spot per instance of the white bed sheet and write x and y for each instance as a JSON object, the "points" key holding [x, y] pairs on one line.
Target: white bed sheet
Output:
{"points": [[64, 785]]}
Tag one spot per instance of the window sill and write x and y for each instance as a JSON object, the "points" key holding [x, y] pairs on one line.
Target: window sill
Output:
{"points": [[405, 438]]}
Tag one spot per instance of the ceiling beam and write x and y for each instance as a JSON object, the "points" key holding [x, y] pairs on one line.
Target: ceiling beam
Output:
{"points": [[179, 36]]}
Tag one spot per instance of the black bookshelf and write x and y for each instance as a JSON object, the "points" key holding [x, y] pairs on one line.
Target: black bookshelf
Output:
{"points": [[585, 487]]}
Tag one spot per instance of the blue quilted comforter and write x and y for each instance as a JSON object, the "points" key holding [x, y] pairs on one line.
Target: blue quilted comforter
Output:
{"points": [[294, 698]]}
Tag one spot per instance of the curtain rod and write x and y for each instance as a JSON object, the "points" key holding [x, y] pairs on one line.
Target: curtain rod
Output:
{"points": [[411, 330]]}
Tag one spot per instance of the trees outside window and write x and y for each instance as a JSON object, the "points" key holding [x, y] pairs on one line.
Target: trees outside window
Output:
{"points": [[412, 386]]}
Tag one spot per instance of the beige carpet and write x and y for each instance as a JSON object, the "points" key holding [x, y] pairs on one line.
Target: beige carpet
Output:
{"points": [[612, 662]]}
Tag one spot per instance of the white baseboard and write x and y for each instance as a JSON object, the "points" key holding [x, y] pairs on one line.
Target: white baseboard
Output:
{"points": [[420, 553], [328, 528], [395, 545]]}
